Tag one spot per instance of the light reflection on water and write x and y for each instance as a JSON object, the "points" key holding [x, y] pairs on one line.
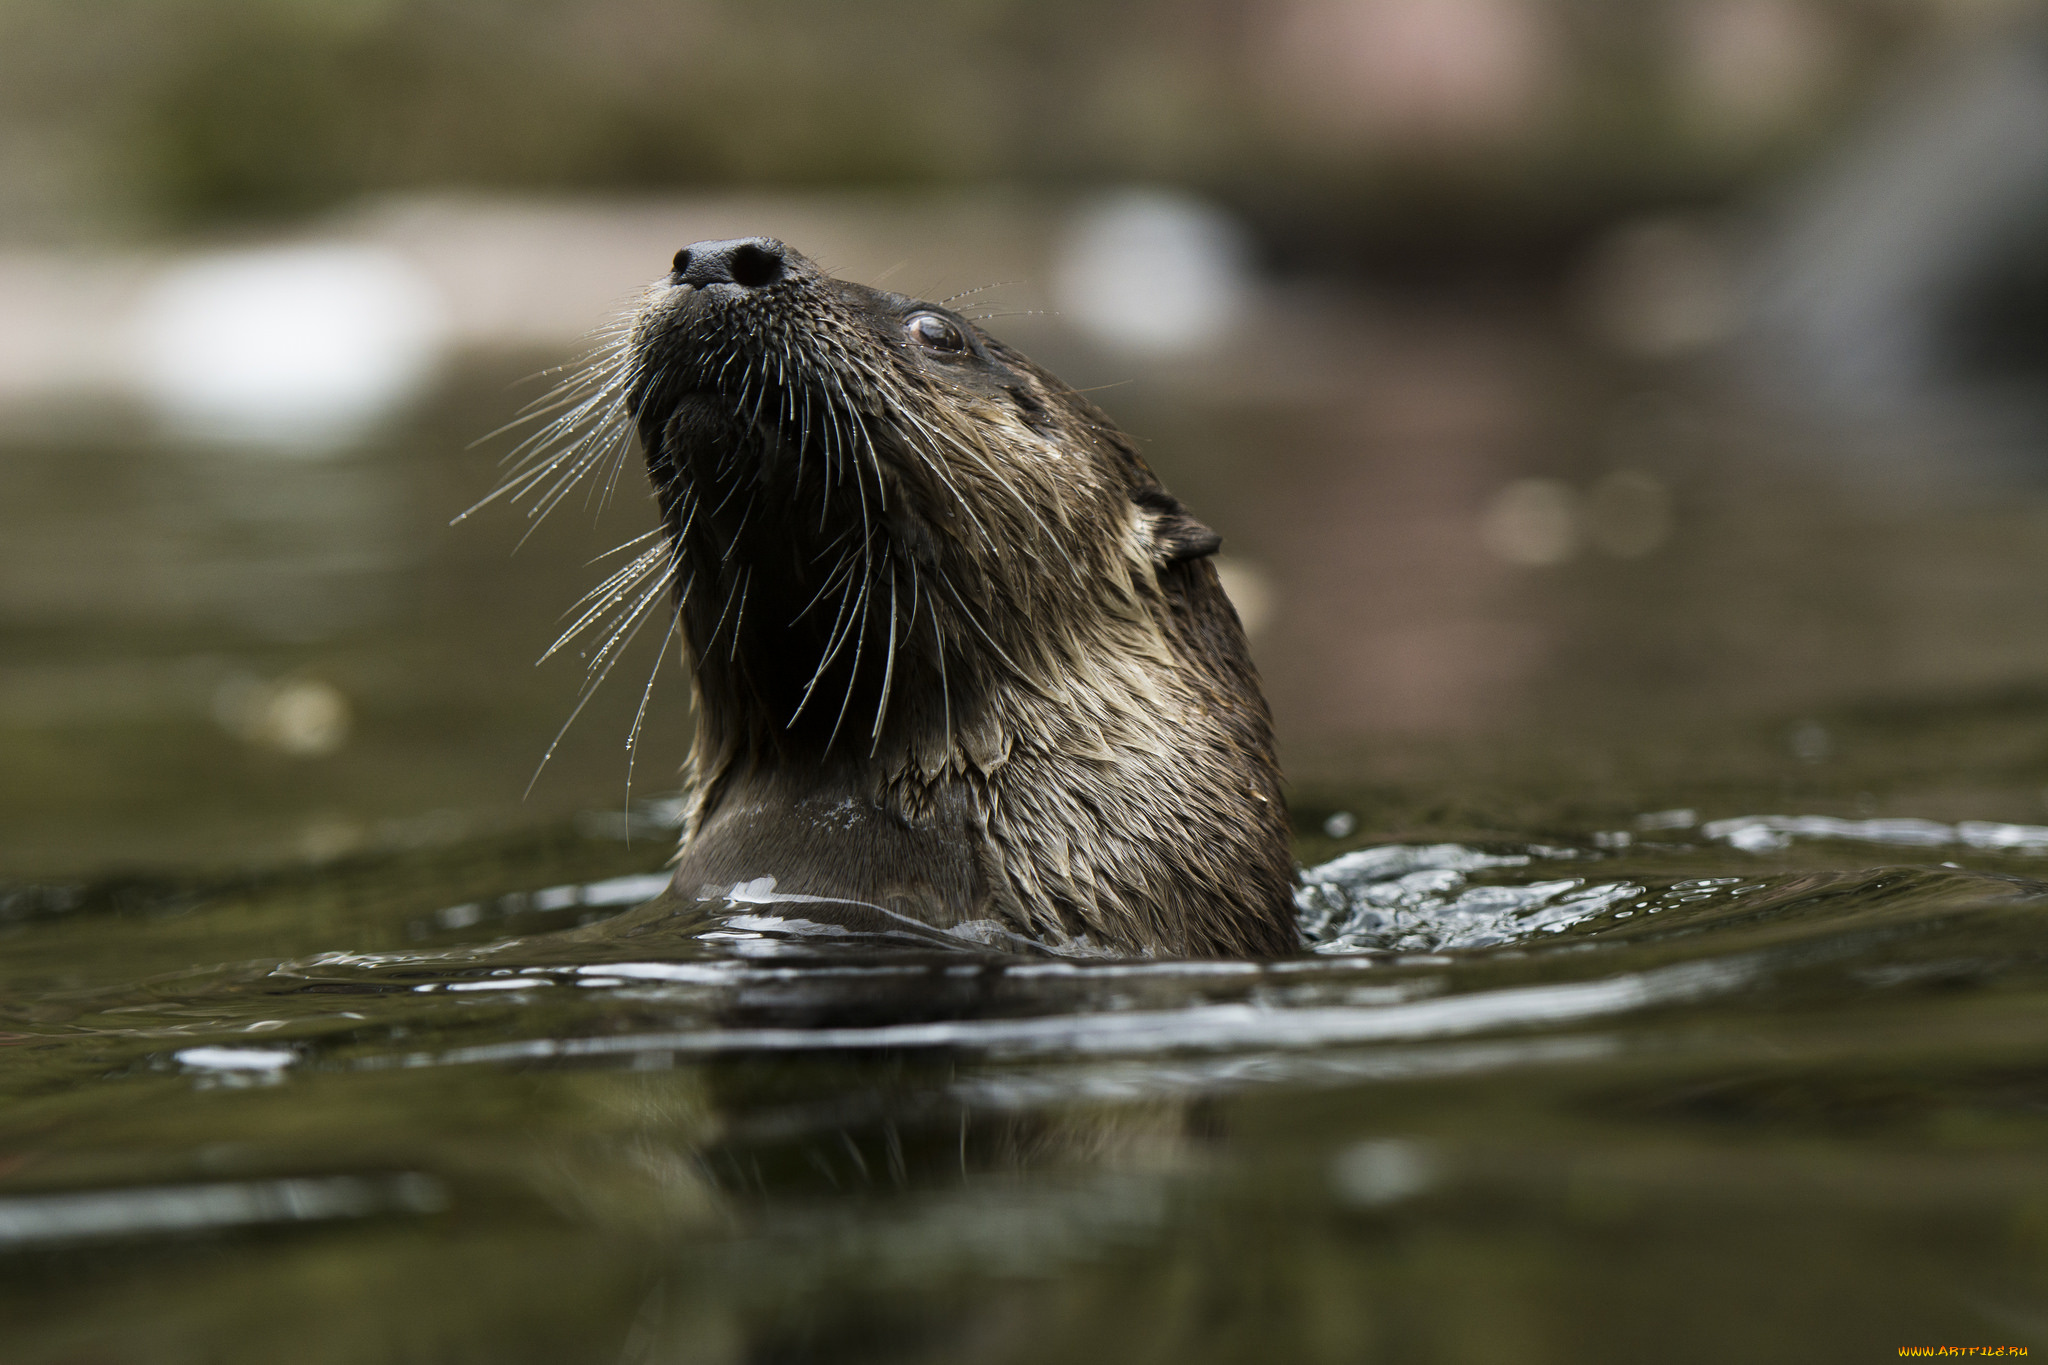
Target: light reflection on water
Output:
{"points": [[196, 1208]]}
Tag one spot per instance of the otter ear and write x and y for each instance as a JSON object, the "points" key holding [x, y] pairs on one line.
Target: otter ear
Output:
{"points": [[1175, 535]]}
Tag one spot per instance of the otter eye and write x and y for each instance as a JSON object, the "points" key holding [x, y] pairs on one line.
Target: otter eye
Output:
{"points": [[935, 333]]}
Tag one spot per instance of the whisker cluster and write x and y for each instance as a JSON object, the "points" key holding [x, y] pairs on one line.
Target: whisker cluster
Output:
{"points": [[582, 427], [784, 390]]}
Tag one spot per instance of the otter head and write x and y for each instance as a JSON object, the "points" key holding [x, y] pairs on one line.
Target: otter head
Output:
{"points": [[957, 654]]}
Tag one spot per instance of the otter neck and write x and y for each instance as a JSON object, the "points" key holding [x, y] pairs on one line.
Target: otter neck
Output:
{"points": [[815, 635]]}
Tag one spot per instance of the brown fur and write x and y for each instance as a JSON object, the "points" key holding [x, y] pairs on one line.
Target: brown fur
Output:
{"points": [[957, 655]]}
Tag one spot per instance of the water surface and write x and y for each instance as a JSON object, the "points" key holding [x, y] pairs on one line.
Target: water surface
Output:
{"points": [[1529, 1101], [1673, 985]]}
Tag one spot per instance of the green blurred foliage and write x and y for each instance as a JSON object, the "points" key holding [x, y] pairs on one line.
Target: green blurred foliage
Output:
{"points": [[203, 112]]}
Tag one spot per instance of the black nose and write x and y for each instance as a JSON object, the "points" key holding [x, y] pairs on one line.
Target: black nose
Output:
{"points": [[750, 262]]}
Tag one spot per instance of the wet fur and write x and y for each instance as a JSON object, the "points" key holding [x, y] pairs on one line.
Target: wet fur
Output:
{"points": [[957, 655]]}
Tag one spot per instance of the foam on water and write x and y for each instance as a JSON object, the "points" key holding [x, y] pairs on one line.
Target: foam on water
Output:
{"points": [[1399, 898]]}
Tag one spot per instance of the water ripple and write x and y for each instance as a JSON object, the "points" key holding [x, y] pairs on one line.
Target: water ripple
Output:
{"points": [[1400, 898], [1194, 1028]]}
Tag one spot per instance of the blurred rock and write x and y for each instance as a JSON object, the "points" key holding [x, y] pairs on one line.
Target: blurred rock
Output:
{"points": [[1902, 290]]}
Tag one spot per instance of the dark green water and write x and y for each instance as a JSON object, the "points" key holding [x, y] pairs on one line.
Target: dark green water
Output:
{"points": [[1686, 1102], [330, 1054]]}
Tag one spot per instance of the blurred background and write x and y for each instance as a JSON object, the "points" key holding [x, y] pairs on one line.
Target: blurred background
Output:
{"points": [[1604, 398]]}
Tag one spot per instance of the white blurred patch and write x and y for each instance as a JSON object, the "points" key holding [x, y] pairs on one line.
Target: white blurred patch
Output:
{"points": [[1376, 1174], [630, 890], [1810, 742], [1153, 271], [302, 717], [1534, 522], [1770, 833], [459, 916], [297, 348], [237, 1065], [162, 1209], [1249, 590]]}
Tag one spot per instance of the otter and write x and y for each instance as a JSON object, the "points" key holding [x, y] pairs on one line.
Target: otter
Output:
{"points": [[957, 656]]}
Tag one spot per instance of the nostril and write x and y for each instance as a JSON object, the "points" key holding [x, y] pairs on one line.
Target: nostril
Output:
{"points": [[756, 264], [749, 262]]}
